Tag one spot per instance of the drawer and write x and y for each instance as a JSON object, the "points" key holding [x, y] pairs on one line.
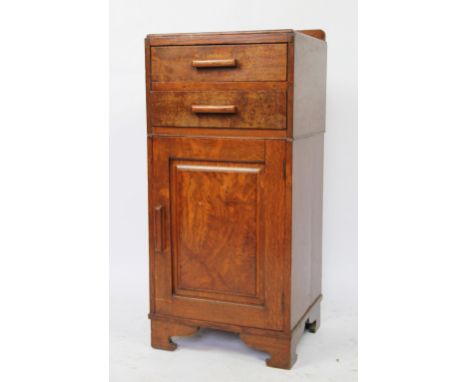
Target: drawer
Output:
{"points": [[220, 63], [253, 109]]}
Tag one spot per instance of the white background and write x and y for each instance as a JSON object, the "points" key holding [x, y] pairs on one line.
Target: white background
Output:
{"points": [[130, 22], [412, 193]]}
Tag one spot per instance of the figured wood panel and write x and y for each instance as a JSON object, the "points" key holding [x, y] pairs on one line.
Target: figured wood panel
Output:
{"points": [[206, 148], [203, 86], [228, 301], [201, 132], [255, 62], [215, 225], [259, 109]]}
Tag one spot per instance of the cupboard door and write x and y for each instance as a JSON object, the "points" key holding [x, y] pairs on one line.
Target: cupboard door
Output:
{"points": [[218, 229]]}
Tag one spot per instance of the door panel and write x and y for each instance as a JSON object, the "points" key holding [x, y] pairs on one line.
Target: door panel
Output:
{"points": [[214, 229], [223, 256]]}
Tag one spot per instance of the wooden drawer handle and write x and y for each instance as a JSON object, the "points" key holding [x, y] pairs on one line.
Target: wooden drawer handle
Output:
{"points": [[212, 109], [228, 63]]}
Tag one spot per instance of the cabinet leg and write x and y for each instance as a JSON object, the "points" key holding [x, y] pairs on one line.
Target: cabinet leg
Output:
{"points": [[313, 322], [281, 350], [162, 331]]}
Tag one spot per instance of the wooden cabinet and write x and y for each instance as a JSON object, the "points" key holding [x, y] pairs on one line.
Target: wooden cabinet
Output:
{"points": [[235, 153]]}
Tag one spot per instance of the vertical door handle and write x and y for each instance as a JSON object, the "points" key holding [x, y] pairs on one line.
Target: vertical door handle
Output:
{"points": [[159, 229]]}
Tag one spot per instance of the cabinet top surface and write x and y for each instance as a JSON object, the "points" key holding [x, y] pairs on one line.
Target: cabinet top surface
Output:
{"points": [[183, 35], [234, 37]]}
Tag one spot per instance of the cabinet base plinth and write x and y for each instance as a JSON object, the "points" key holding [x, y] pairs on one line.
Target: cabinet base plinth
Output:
{"points": [[281, 350], [162, 331], [281, 346]]}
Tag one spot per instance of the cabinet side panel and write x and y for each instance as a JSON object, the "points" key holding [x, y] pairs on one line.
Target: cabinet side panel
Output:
{"points": [[150, 223], [310, 60], [306, 268], [148, 83]]}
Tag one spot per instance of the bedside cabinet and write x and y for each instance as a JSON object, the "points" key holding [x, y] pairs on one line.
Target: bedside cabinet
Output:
{"points": [[235, 157]]}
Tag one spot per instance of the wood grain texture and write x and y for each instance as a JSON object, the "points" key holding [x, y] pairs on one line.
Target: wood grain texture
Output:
{"points": [[282, 350], [159, 237], [254, 109], [198, 132], [215, 63], [280, 345], [203, 86], [257, 62], [162, 331], [151, 217], [216, 247], [317, 33], [307, 185], [290, 91], [148, 83], [310, 90], [282, 353], [252, 37], [215, 222], [214, 109], [235, 198]]}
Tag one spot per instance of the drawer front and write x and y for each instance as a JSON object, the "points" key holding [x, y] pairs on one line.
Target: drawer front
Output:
{"points": [[261, 109], [254, 62]]}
